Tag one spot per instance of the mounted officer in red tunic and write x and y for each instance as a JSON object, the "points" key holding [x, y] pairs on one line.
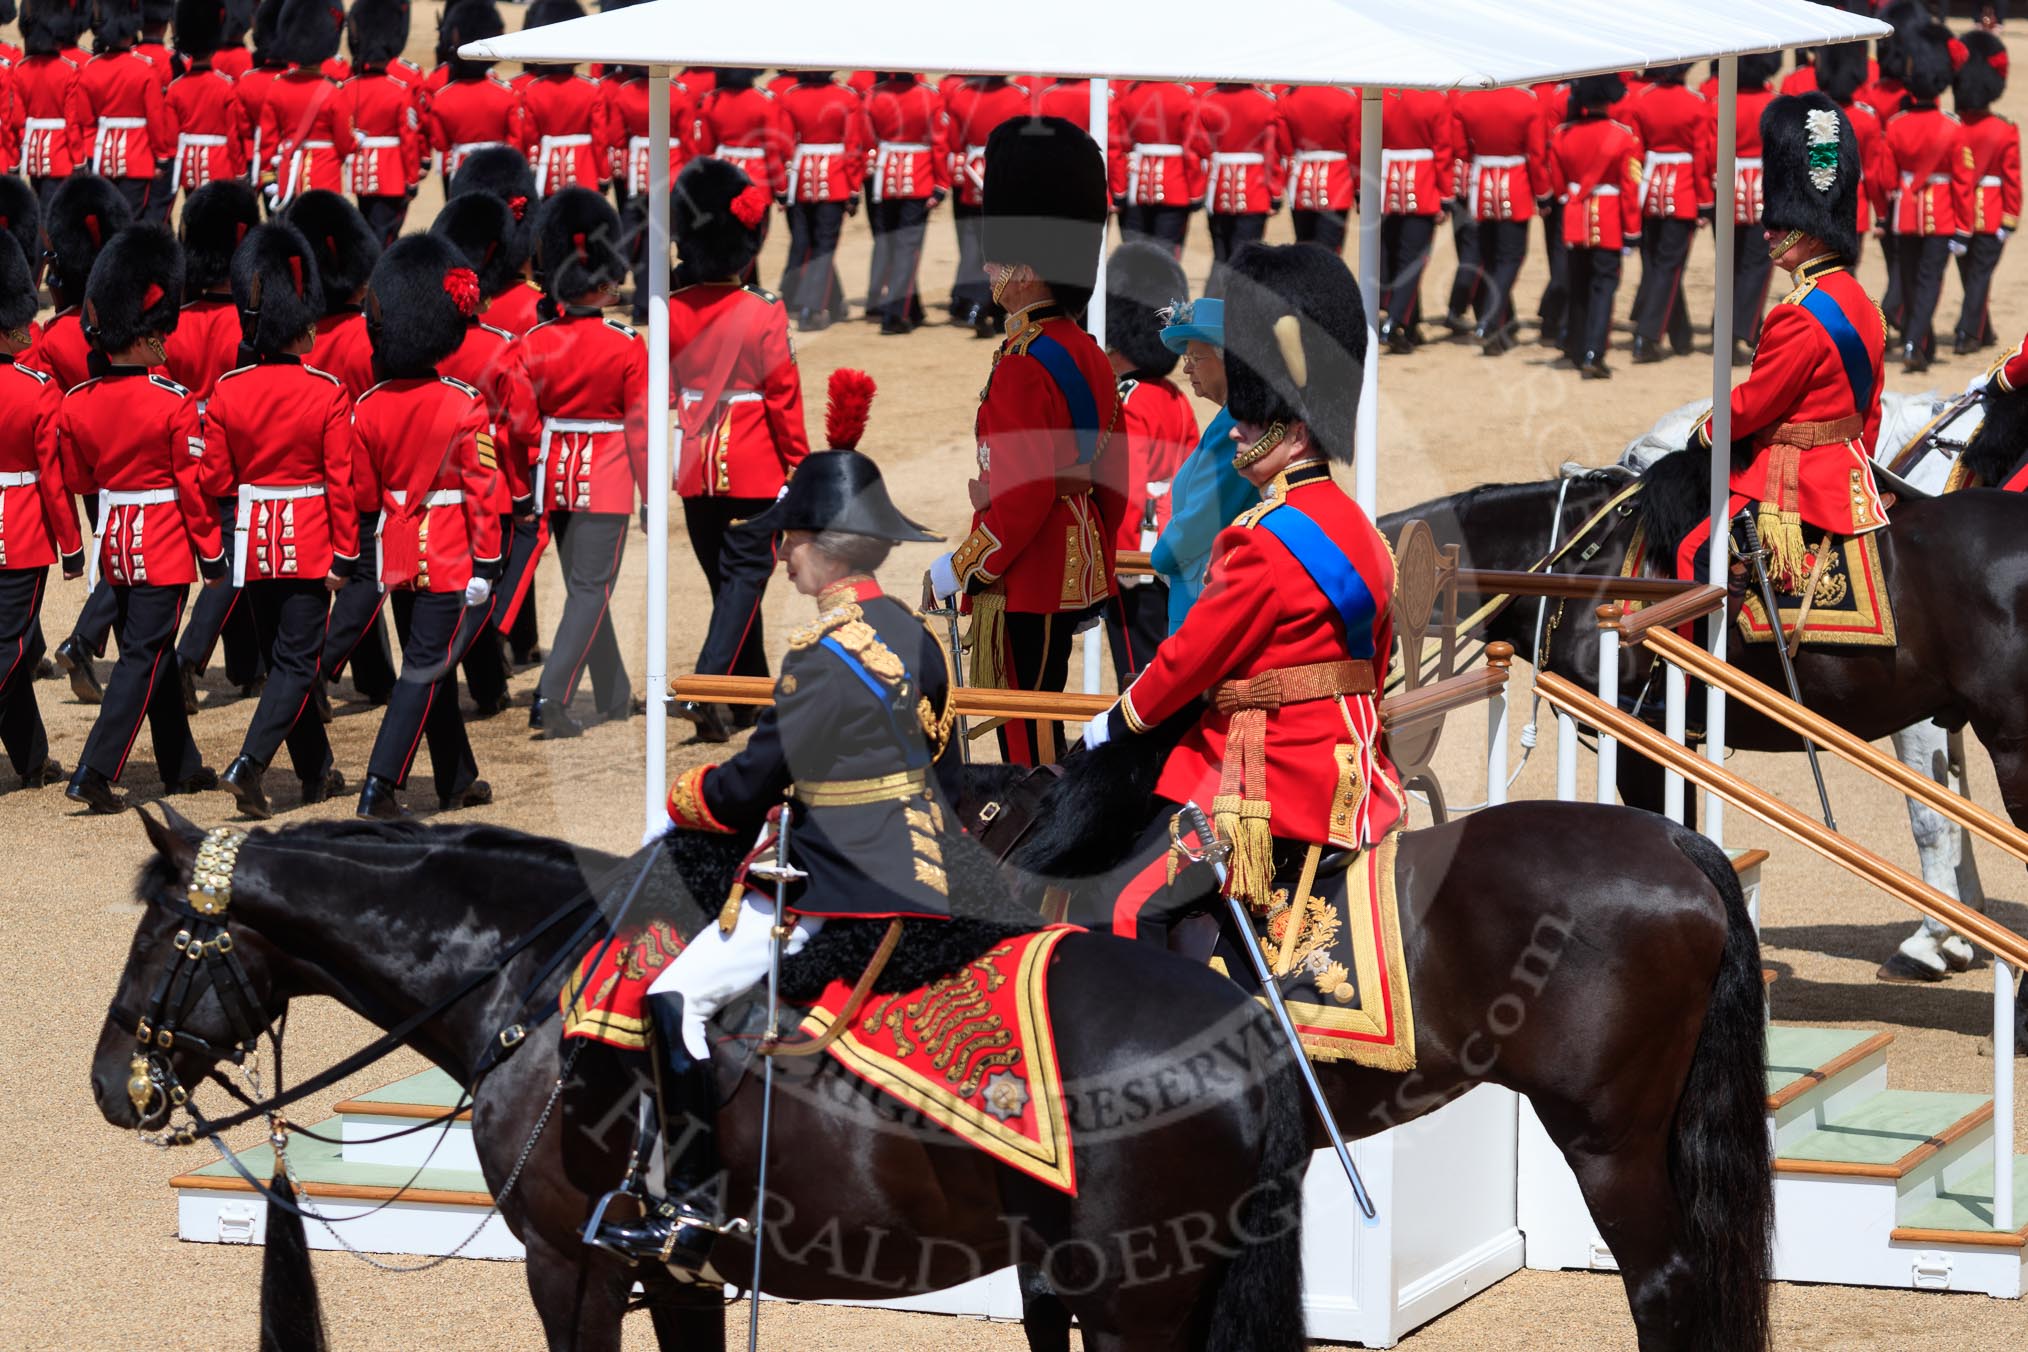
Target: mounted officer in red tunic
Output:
{"points": [[1805, 418], [1291, 636]]}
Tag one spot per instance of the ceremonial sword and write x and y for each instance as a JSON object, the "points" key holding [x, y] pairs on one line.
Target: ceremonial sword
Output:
{"points": [[1215, 854], [783, 872], [1756, 555], [949, 611]]}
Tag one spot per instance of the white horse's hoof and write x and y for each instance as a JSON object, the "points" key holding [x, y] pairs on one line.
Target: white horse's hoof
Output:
{"points": [[1957, 953]]}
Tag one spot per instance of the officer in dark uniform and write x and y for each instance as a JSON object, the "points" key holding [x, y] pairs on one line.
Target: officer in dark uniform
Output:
{"points": [[859, 740]]}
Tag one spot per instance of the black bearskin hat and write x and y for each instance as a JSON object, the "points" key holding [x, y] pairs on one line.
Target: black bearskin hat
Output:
{"points": [[376, 31], [21, 220], [115, 24], [18, 301], [157, 14], [1757, 69], [267, 21], [216, 218], [542, 13], [462, 22], [135, 290], [1810, 174], [49, 26], [1841, 70], [239, 16], [717, 216], [418, 306], [500, 170], [83, 217], [735, 77], [1045, 204], [7, 11], [1596, 91], [1669, 75], [1295, 341], [1142, 281], [1983, 78], [1926, 62], [306, 31], [200, 28], [578, 245], [483, 228], [345, 245], [275, 288]]}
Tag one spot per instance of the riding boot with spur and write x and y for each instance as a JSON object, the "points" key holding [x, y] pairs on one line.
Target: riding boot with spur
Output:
{"points": [[677, 1228]]}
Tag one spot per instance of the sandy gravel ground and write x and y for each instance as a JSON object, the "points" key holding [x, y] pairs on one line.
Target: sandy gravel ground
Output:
{"points": [[91, 1227]]}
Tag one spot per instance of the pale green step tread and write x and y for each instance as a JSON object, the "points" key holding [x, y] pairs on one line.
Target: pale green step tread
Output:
{"points": [[316, 1162], [1966, 1205], [1794, 1052], [1885, 1127], [430, 1089]]}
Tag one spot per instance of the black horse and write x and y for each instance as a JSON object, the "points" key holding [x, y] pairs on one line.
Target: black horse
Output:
{"points": [[1184, 1232], [1598, 960]]}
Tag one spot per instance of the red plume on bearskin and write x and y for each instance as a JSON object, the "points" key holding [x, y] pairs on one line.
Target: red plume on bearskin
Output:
{"points": [[851, 396]]}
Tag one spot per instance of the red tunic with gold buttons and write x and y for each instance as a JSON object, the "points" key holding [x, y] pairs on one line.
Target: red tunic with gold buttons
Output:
{"points": [[120, 117], [1166, 146], [1503, 142], [1935, 179], [1324, 777], [1046, 515], [1160, 427], [1676, 129], [467, 114], [51, 143], [38, 521], [486, 361], [1595, 164], [744, 126], [910, 158], [1996, 172], [129, 432], [1247, 150], [565, 132], [1746, 163], [380, 110], [211, 136], [1876, 165], [828, 129], [305, 136], [627, 126], [1323, 127], [251, 86], [1071, 101], [344, 349], [275, 426], [423, 460], [581, 368], [1418, 157], [738, 392], [204, 346]]}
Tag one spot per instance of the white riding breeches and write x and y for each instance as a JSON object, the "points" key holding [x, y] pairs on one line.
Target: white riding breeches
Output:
{"points": [[718, 966]]}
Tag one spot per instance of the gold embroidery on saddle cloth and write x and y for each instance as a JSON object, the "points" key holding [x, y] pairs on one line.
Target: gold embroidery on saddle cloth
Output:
{"points": [[1348, 991], [1848, 605], [954, 1022]]}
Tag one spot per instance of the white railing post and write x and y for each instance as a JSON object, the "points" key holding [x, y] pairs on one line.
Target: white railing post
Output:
{"points": [[1094, 637], [2003, 1095], [1609, 695], [1713, 820], [1500, 657], [1675, 686], [661, 480], [1566, 758]]}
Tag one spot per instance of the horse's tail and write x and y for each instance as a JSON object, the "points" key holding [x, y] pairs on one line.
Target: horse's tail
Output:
{"points": [[1258, 1306], [1719, 1156], [292, 1318]]}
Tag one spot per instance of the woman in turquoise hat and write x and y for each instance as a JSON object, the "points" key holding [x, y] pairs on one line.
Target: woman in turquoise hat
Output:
{"points": [[1207, 492]]}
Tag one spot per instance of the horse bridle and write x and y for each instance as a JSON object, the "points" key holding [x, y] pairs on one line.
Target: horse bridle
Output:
{"points": [[207, 960]]}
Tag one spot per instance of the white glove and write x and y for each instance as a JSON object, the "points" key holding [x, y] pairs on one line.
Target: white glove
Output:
{"points": [[2002, 233], [943, 578], [654, 833], [477, 590], [1959, 248], [1098, 730], [1978, 382], [781, 492]]}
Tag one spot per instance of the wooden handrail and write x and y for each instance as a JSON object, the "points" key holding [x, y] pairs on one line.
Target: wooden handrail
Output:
{"points": [[1406, 710], [1569, 586], [1134, 563], [1897, 882], [1690, 605], [1774, 705]]}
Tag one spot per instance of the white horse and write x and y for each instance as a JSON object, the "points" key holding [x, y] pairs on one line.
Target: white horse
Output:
{"points": [[1933, 951]]}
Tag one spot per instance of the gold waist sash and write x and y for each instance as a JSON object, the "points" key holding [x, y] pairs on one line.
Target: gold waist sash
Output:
{"points": [[894, 788]]}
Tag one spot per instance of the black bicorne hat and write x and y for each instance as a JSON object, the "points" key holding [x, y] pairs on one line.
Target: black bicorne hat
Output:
{"points": [[1142, 281], [135, 290], [83, 216], [1045, 204], [717, 215], [1810, 170], [483, 228], [21, 220], [1295, 342], [18, 302], [276, 288], [840, 489], [216, 219], [345, 245], [307, 31], [419, 303], [376, 31], [578, 246]]}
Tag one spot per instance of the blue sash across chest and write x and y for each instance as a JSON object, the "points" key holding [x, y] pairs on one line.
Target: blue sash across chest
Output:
{"points": [[912, 744], [1076, 390], [1851, 347], [1333, 573]]}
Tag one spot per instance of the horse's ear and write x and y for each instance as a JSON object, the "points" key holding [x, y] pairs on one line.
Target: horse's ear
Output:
{"points": [[175, 837]]}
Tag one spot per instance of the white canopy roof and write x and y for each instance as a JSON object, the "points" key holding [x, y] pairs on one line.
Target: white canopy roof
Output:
{"points": [[1394, 43]]}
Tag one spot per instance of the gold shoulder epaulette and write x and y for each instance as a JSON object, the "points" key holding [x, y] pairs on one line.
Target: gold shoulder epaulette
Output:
{"points": [[824, 624], [860, 639], [1250, 518], [1802, 289]]}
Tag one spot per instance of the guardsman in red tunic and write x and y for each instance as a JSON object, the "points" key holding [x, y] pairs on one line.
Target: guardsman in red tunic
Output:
{"points": [[1071, 101], [51, 146], [474, 107], [1323, 125], [1675, 127], [380, 108], [1292, 635], [1158, 429], [1933, 199], [625, 91], [1502, 141], [1418, 160], [153, 48], [579, 398], [1806, 417], [1246, 164], [251, 86], [976, 107], [305, 137], [278, 441], [827, 167], [38, 521], [210, 120], [135, 439], [1052, 486], [563, 127], [744, 125], [908, 175], [1996, 186], [1162, 177], [83, 217], [1751, 269], [117, 111], [423, 467], [347, 251], [1595, 164], [739, 407], [233, 58]]}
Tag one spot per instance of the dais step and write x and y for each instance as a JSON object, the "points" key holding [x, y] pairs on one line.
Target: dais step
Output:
{"points": [[395, 1125]]}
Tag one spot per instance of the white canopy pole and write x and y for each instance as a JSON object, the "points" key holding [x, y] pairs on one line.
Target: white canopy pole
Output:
{"points": [[656, 263], [1372, 193], [1721, 419], [1101, 126]]}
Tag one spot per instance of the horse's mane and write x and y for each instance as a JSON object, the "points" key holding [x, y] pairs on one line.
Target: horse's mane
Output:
{"points": [[1996, 448], [1673, 500], [493, 841]]}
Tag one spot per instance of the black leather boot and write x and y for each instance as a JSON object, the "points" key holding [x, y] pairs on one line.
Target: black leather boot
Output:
{"points": [[712, 721], [317, 790], [242, 779], [1646, 352], [76, 660], [378, 802], [188, 674], [553, 720], [677, 1228], [95, 791]]}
